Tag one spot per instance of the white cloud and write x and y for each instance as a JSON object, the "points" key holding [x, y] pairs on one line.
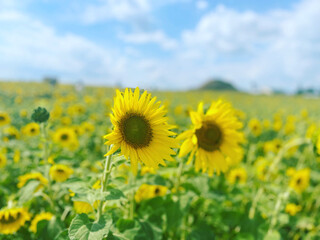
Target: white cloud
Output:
{"points": [[121, 10], [157, 37], [29, 49], [278, 48], [201, 5]]}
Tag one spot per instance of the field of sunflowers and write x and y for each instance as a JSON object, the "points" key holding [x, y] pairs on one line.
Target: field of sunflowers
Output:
{"points": [[91, 163]]}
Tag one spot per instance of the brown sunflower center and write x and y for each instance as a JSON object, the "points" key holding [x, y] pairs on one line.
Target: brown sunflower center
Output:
{"points": [[299, 180], [2, 118], [209, 136], [32, 130], [11, 219], [136, 130], [60, 170], [157, 191], [64, 137]]}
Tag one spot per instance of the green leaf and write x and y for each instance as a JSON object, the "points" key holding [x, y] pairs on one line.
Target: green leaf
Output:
{"points": [[124, 224], [82, 228], [27, 192], [62, 235], [272, 235]]}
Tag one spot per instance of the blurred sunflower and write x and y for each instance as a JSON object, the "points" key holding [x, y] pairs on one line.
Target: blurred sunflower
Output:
{"points": [[4, 119], [11, 133], [300, 180], [237, 175], [255, 127], [140, 129], [32, 176], [66, 137], [82, 207], [3, 160], [318, 145], [292, 209], [31, 129], [40, 217], [11, 220], [147, 191], [215, 138], [60, 172]]}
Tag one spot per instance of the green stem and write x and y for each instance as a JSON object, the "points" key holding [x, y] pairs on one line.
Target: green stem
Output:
{"points": [[281, 197], [271, 169], [178, 181], [104, 181], [131, 206]]}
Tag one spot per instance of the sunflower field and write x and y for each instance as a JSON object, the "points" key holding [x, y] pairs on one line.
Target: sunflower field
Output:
{"points": [[91, 163]]}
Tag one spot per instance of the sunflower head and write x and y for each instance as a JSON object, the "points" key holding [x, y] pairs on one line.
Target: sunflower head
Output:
{"points": [[237, 175], [66, 137], [140, 129], [60, 172], [300, 180], [255, 127], [147, 191], [11, 220], [32, 176], [3, 160], [214, 139], [4, 119], [31, 129], [40, 115], [292, 209], [40, 217]]}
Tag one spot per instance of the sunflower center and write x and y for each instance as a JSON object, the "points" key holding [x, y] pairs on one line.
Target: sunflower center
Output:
{"points": [[11, 219], [64, 137], [32, 130], [209, 136], [299, 181], [60, 170], [136, 130], [157, 191], [2, 118]]}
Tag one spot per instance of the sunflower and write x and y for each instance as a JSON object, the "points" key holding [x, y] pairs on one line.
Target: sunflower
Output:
{"points": [[66, 137], [147, 191], [4, 119], [214, 139], [40, 217], [255, 127], [300, 180], [292, 209], [32, 176], [11, 220], [3, 160], [11, 133], [140, 129], [318, 145], [237, 175], [31, 129], [82, 207], [60, 172]]}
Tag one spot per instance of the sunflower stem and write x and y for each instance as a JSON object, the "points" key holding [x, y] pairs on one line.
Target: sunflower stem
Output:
{"points": [[178, 182], [104, 181], [131, 206], [296, 142]]}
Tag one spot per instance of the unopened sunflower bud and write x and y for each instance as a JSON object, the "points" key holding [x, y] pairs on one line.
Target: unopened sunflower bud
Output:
{"points": [[40, 115]]}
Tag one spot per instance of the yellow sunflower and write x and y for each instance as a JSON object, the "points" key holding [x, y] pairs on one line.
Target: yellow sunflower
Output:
{"points": [[60, 172], [237, 175], [66, 137], [82, 207], [140, 129], [31, 129], [300, 180], [147, 191], [215, 138], [3, 160], [32, 176], [11, 133], [318, 145], [11, 220], [292, 209], [4, 119], [255, 127], [40, 217]]}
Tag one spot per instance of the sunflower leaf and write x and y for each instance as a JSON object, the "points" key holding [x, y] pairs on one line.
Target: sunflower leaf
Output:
{"points": [[82, 228]]}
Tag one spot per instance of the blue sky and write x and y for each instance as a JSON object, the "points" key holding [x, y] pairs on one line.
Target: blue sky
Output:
{"points": [[165, 44]]}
